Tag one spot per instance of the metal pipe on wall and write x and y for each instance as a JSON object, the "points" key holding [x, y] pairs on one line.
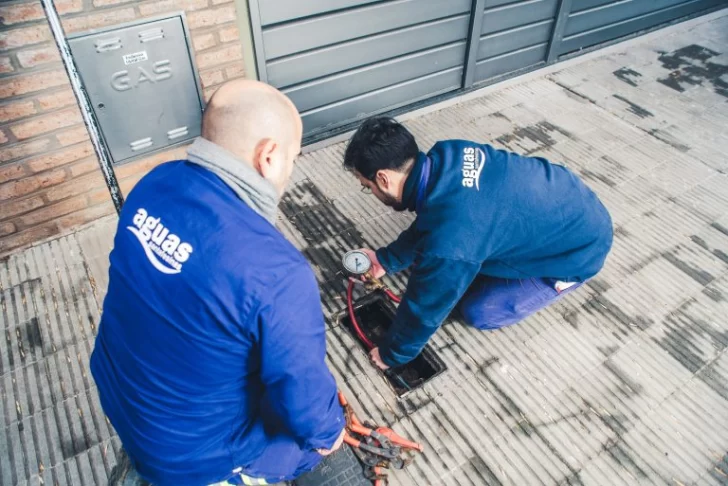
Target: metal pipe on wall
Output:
{"points": [[88, 118]]}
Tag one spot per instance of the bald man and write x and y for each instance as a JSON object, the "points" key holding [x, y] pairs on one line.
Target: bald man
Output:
{"points": [[209, 360]]}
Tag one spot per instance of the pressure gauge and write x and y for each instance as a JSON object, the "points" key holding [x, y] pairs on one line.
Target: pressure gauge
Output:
{"points": [[356, 262]]}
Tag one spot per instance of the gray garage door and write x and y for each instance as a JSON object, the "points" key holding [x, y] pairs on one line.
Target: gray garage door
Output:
{"points": [[592, 22], [343, 60], [513, 35], [339, 59]]}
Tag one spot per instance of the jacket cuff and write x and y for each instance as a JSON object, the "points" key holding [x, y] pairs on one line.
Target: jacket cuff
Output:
{"points": [[385, 260], [329, 441], [392, 359]]}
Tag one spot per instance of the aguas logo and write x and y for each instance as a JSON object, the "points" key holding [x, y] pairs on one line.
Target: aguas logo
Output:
{"points": [[473, 163], [165, 250]]}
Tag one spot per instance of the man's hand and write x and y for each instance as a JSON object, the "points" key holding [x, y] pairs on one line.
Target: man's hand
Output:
{"points": [[377, 359], [335, 447], [377, 270]]}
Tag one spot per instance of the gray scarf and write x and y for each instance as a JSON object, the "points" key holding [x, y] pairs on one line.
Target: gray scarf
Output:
{"points": [[245, 181]]}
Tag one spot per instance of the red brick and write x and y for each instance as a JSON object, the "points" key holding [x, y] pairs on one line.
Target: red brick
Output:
{"points": [[19, 85], [52, 211], [14, 111], [24, 12], [97, 20], [10, 39], [20, 206], [19, 151], [236, 71], [229, 34], [86, 216], [11, 172], [84, 167], [107, 3], [68, 6], [157, 6], [128, 184], [211, 17], [203, 41], [47, 123], [72, 136], [28, 185], [219, 56], [98, 197], [36, 57], [30, 11], [59, 99], [58, 158], [211, 78], [7, 228], [25, 238], [81, 185], [5, 65]]}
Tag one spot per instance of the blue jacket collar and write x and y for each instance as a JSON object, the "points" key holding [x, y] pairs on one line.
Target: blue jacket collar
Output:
{"points": [[415, 187]]}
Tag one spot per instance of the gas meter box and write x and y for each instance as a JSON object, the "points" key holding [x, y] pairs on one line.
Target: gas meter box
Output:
{"points": [[142, 84]]}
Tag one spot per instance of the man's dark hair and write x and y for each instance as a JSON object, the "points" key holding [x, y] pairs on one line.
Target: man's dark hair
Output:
{"points": [[380, 143]]}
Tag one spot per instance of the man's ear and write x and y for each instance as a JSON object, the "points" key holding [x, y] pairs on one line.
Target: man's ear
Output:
{"points": [[382, 179], [263, 154]]}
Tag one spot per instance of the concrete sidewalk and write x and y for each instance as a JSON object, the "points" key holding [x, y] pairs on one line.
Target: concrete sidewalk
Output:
{"points": [[623, 382]]}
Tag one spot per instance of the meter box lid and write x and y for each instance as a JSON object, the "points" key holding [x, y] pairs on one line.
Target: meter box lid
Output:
{"points": [[142, 84]]}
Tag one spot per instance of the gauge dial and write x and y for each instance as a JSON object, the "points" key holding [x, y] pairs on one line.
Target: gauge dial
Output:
{"points": [[356, 262]]}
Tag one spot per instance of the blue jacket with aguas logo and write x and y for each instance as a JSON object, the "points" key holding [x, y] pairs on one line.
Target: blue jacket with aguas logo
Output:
{"points": [[490, 212], [212, 321]]}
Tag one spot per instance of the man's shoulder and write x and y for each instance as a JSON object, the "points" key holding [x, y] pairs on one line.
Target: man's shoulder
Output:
{"points": [[184, 203]]}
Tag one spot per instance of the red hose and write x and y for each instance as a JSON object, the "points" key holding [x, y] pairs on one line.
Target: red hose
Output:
{"points": [[352, 316], [395, 298]]}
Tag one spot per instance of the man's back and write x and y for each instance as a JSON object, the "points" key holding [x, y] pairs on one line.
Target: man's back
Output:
{"points": [[522, 217], [201, 303]]}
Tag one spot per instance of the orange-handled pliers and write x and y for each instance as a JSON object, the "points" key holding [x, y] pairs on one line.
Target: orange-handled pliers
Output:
{"points": [[398, 440], [385, 449], [384, 435], [379, 448], [378, 475]]}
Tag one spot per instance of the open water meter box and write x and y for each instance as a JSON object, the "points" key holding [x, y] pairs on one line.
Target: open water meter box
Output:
{"points": [[375, 315], [142, 84]]}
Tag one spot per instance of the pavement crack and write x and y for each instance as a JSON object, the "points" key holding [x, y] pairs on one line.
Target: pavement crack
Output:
{"points": [[574, 92]]}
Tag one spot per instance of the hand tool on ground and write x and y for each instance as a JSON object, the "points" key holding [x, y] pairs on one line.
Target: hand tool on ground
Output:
{"points": [[378, 448], [399, 440], [377, 474]]}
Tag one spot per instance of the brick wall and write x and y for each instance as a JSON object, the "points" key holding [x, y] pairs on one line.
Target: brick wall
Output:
{"points": [[50, 181]]}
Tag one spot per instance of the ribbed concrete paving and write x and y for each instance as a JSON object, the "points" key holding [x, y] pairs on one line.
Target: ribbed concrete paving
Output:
{"points": [[623, 382]]}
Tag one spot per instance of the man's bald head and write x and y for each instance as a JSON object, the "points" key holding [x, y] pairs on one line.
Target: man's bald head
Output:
{"points": [[242, 113], [256, 123]]}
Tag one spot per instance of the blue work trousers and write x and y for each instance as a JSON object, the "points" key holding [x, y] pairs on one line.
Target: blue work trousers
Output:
{"points": [[491, 303]]}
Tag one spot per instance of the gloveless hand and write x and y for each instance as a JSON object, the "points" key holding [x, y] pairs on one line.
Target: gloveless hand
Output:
{"points": [[377, 359], [377, 270]]}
